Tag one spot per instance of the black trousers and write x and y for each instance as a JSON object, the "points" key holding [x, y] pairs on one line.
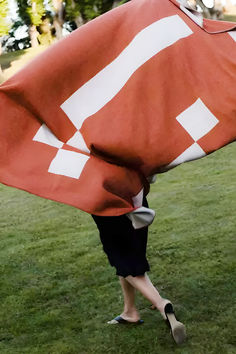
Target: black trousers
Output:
{"points": [[124, 246]]}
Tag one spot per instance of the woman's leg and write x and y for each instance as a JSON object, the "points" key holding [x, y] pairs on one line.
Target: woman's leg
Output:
{"points": [[143, 284], [148, 290], [130, 312]]}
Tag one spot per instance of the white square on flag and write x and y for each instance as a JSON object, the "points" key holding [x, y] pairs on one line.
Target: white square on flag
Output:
{"points": [[194, 152], [68, 163], [45, 136], [197, 120], [78, 142]]}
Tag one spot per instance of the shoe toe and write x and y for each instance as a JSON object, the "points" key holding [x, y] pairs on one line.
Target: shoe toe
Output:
{"points": [[179, 333]]}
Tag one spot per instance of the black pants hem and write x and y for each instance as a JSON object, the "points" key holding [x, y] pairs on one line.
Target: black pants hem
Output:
{"points": [[124, 246]]}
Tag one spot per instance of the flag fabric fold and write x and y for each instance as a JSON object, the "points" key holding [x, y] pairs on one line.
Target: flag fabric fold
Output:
{"points": [[135, 92]]}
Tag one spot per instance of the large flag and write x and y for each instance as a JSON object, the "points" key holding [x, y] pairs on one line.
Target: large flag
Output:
{"points": [[135, 92]]}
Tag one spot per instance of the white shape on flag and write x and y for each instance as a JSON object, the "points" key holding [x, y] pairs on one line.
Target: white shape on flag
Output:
{"points": [[45, 136], [105, 85], [233, 34], [196, 17], [78, 142], [68, 163], [138, 199], [197, 120], [192, 153]]}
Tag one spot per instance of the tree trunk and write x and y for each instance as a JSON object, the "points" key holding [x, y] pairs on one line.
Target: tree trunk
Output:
{"points": [[58, 28], [33, 33], [58, 20], [79, 21], [1, 72]]}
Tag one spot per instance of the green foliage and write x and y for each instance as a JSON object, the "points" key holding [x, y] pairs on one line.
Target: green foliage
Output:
{"points": [[94, 8], [75, 13], [45, 36], [4, 24], [23, 11], [31, 12], [87, 9], [36, 11], [72, 10]]}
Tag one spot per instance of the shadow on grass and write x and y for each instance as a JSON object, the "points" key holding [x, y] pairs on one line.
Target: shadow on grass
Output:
{"points": [[7, 58]]}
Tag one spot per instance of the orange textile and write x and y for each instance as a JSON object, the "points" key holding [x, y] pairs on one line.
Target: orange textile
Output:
{"points": [[135, 92]]}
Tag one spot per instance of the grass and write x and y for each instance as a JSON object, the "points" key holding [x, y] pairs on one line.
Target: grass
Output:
{"points": [[7, 58], [57, 290], [230, 18], [13, 61]]}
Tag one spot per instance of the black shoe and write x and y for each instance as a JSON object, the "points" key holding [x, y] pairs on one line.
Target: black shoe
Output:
{"points": [[121, 320], [177, 328]]}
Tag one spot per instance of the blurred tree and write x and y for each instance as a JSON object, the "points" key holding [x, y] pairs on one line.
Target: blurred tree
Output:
{"points": [[214, 12], [73, 12], [14, 41], [46, 19], [31, 12], [82, 11], [45, 29], [4, 24], [58, 17]]}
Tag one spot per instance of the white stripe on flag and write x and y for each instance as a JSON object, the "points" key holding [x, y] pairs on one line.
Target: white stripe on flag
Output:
{"points": [[138, 199], [233, 34], [196, 16], [105, 85]]}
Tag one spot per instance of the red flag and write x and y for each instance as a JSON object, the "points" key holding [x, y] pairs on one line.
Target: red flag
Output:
{"points": [[134, 92]]}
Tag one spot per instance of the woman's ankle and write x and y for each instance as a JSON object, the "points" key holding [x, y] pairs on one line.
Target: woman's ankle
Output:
{"points": [[161, 306], [130, 313]]}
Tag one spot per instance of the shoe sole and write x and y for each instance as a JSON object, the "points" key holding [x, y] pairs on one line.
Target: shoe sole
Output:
{"points": [[178, 330]]}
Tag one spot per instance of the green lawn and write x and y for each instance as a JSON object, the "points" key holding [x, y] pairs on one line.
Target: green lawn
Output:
{"points": [[230, 18], [13, 61], [57, 290]]}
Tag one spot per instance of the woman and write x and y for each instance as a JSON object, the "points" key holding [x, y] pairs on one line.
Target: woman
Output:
{"points": [[126, 251]]}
